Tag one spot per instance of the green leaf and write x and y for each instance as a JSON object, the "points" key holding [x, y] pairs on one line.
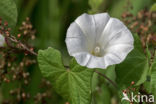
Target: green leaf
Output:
{"points": [[95, 81], [153, 76], [134, 68], [110, 73], [8, 12], [103, 95], [73, 83], [148, 52], [153, 8], [94, 4]]}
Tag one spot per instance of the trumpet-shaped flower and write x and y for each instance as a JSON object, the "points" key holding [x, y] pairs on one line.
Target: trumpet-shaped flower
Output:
{"points": [[97, 41], [2, 40]]}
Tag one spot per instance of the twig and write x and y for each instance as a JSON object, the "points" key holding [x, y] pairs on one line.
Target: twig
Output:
{"points": [[103, 75], [27, 49], [13, 39]]}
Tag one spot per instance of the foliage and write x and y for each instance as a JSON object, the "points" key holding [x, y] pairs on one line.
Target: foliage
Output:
{"points": [[153, 8], [8, 11], [95, 4], [133, 67], [153, 77], [74, 83]]}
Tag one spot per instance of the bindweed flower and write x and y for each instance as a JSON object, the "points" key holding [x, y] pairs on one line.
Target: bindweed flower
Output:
{"points": [[97, 41], [2, 40]]}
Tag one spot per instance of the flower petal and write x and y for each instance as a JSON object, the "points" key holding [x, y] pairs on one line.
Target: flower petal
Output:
{"points": [[116, 41], [122, 37], [87, 25], [74, 31], [76, 45], [2, 40], [113, 26], [82, 58], [117, 53], [96, 62], [101, 21]]}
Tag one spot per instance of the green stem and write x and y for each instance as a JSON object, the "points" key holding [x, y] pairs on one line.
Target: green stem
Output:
{"points": [[103, 75]]}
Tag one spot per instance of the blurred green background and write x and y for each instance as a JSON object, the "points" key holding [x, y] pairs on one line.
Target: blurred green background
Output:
{"points": [[51, 19]]}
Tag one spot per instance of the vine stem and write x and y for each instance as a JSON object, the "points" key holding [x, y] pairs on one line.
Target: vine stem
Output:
{"points": [[103, 75]]}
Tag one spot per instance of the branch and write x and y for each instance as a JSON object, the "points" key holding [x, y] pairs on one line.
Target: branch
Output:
{"points": [[103, 75], [13, 39]]}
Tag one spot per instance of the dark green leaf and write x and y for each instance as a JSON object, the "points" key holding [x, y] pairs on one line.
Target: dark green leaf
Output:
{"points": [[94, 4], [73, 83], [153, 77], [8, 11], [134, 68]]}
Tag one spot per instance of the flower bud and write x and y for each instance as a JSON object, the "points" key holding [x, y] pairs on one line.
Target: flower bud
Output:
{"points": [[2, 41]]}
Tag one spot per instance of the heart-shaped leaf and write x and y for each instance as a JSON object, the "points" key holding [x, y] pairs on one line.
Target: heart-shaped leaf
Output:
{"points": [[73, 83], [134, 68]]}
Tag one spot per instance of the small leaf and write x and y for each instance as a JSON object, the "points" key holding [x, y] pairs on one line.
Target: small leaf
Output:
{"points": [[134, 68], [8, 11], [153, 8], [94, 4], [73, 83], [153, 77]]}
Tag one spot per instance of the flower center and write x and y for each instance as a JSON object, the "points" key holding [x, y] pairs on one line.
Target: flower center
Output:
{"points": [[97, 51]]}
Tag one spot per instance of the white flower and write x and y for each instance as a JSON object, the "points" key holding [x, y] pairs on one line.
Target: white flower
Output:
{"points": [[97, 41], [2, 40]]}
